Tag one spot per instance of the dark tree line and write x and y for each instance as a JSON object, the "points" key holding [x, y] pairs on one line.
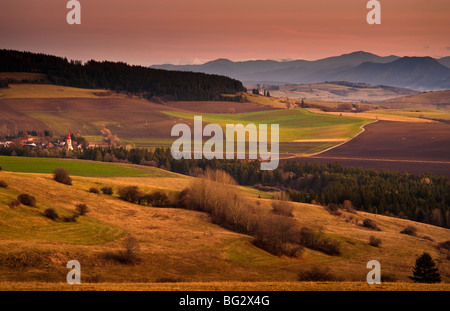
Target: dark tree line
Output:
{"points": [[121, 77], [423, 198]]}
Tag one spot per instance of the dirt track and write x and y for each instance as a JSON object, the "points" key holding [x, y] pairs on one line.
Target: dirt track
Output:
{"points": [[398, 146]]}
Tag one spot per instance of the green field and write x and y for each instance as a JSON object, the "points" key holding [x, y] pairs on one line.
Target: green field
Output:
{"points": [[434, 114], [295, 124], [79, 167]]}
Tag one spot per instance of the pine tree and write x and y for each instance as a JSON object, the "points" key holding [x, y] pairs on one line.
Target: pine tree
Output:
{"points": [[425, 270]]}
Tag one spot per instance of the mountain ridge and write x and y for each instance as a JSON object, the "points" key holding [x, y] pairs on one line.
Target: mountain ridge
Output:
{"points": [[421, 73]]}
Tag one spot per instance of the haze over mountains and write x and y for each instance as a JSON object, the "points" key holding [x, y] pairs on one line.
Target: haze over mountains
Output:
{"points": [[420, 73]]}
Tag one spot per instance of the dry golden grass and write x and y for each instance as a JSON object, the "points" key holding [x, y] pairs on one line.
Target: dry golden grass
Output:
{"points": [[47, 91], [183, 245], [223, 286]]}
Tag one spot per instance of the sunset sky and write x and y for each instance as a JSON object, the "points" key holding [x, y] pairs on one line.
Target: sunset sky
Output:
{"points": [[147, 32]]}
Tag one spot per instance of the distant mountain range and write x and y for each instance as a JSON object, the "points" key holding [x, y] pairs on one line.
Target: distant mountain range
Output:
{"points": [[420, 73]]}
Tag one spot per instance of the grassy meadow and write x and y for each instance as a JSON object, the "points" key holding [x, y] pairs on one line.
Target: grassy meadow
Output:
{"points": [[180, 246], [300, 130], [79, 167]]}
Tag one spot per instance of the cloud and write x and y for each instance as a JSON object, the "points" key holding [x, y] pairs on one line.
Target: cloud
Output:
{"points": [[187, 61]]}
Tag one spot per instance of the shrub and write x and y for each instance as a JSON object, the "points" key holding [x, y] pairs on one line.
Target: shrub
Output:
{"points": [[107, 190], [370, 224], [183, 199], [409, 230], [131, 246], [374, 241], [27, 199], [94, 190], [14, 203], [333, 209], [282, 208], [72, 218], [276, 235], [348, 206], [81, 209], [130, 194], [318, 241], [126, 257], [62, 176], [51, 213], [119, 257], [316, 274], [156, 198], [3, 184]]}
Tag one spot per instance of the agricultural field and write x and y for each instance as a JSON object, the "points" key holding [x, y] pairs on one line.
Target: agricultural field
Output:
{"points": [[421, 114], [398, 146], [300, 130], [335, 92], [184, 247], [141, 123]]}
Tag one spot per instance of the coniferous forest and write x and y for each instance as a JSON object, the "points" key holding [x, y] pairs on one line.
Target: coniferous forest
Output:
{"points": [[121, 77], [423, 198]]}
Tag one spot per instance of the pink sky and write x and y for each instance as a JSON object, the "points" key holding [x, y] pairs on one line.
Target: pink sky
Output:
{"points": [[147, 32]]}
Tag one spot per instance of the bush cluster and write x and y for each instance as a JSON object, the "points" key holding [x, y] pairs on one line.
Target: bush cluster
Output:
{"points": [[27, 199], [94, 190], [374, 241], [370, 224], [132, 194], [316, 274], [62, 176], [317, 240], [51, 213], [409, 230], [14, 203], [107, 190], [276, 232], [81, 209]]}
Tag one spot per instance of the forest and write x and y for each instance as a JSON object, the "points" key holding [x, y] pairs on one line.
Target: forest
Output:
{"points": [[423, 198], [121, 77]]}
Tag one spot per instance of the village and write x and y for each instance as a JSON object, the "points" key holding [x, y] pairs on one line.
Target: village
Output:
{"points": [[45, 140]]}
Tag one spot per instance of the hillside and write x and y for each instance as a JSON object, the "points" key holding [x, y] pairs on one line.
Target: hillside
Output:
{"points": [[181, 245], [120, 77], [431, 100], [142, 123], [339, 92]]}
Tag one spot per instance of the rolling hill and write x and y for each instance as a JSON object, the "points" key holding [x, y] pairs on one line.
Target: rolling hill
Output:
{"points": [[142, 123], [118, 76], [183, 246], [412, 72]]}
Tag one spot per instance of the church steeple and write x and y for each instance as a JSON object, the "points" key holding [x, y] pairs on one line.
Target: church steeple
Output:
{"points": [[69, 141]]}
